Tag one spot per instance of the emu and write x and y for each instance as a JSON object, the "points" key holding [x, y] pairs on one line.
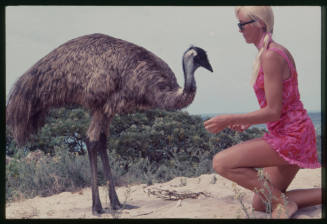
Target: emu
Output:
{"points": [[104, 75]]}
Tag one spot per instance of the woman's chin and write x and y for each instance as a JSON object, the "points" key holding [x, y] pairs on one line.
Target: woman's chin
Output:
{"points": [[247, 41]]}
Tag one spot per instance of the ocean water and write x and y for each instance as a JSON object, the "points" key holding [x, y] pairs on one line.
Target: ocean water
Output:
{"points": [[316, 119]]}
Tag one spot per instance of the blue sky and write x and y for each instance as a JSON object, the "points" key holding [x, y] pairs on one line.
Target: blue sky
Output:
{"points": [[167, 31]]}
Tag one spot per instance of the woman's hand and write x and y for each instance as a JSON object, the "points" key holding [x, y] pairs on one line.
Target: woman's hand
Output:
{"points": [[239, 127], [217, 124]]}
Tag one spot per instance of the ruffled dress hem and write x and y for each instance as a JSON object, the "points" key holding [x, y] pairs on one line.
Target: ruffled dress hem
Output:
{"points": [[292, 162]]}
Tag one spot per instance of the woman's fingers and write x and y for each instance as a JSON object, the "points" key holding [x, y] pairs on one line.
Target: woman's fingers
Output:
{"points": [[216, 124], [212, 128], [239, 127]]}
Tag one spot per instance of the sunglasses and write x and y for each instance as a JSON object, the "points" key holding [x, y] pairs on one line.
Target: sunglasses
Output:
{"points": [[240, 25]]}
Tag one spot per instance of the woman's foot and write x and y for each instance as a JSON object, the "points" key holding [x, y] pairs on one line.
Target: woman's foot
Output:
{"points": [[283, 211]]}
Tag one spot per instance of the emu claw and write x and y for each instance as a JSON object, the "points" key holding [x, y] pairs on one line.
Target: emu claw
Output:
{"points": [[116, 206], [97, 211]]}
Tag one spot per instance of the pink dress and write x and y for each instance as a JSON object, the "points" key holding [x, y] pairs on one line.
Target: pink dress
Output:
{"points": [[293, 135]]}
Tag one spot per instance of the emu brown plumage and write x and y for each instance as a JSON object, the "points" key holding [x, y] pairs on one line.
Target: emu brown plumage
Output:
{"points": [[106, 76]]}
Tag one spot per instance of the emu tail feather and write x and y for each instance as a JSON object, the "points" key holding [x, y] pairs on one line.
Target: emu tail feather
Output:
{"points": [[24, 113]]}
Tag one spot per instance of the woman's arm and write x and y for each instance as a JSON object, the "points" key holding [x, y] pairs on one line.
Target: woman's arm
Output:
{"points": [[273, 66]]}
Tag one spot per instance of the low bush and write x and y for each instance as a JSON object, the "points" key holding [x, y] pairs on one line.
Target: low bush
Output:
{"points": [[144, 147]]}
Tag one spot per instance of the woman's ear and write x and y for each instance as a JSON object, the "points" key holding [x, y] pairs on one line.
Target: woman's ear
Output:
{"points": [[262, 25]]}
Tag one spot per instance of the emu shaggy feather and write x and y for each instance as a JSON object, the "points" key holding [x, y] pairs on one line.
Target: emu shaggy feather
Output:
{"points": [[98, 72]]}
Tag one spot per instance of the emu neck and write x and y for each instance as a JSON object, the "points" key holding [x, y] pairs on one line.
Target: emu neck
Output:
{"points": [[189, 69]]}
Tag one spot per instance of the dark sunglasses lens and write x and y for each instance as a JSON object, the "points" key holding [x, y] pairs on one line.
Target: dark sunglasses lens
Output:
{"points": [[240, 25]]}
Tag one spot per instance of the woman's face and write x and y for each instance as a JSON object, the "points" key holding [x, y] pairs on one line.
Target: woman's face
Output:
{"points": [[251, 32]]}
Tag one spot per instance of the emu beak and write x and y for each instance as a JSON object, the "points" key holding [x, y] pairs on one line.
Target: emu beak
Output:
{"points": [[206, 65]]}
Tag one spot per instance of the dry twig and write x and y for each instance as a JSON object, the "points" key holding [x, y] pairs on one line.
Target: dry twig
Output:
{"points": [[174, 195]]}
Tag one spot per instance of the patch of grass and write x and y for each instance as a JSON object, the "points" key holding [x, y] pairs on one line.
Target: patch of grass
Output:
{"points": [[46, 176], [265, 194]]}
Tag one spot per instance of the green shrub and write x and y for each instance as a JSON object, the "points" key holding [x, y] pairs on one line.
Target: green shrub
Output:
{"points": [[144, 147]]}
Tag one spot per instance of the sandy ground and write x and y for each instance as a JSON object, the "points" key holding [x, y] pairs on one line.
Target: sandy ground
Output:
{"points": [[208, 196]]}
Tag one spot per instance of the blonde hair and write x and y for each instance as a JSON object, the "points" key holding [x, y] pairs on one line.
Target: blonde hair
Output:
{"points": [[266, 15]]}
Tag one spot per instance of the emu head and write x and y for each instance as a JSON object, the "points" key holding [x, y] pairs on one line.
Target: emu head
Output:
{"points": [[195, 57]]}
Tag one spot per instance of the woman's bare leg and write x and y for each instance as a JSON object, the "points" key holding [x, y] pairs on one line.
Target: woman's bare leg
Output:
{"points": [[237, 164], [305, 197], [281, 177]]}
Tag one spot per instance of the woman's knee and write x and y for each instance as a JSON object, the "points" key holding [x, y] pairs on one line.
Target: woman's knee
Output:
{"points": [[219, 164]]}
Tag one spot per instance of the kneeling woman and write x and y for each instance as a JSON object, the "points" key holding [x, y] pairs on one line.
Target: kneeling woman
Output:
{"points": [[290, 143]]}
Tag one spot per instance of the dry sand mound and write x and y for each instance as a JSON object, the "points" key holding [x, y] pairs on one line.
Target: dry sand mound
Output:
{"points": [[208, 196]]}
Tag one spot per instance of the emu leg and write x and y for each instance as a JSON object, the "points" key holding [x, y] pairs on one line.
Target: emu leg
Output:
{"points": [[114, 201], [96, 203]]}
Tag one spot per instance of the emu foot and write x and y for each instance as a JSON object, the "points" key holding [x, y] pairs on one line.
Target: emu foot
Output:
{"points": [[97, 212], [114, 201], [97, 209], [115, 204]]}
